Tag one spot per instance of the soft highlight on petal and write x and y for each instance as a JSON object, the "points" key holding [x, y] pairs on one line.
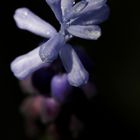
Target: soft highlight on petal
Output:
{"points": [[24, 65], [77, 75], [27, 20], [87, 32]]}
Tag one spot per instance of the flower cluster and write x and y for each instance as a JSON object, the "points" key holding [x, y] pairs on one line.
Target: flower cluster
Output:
{"points": [[78, 19]]}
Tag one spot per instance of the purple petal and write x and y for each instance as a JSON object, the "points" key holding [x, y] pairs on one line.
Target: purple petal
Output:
{"points": [[60, 87], [49, 51], [56, 8], [27, 20], [87, 32], [77, 75], [66, 6], [94, 17]]}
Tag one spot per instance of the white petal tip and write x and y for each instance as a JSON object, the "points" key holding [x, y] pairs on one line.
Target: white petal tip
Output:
{"points": [[24, 65], [27, 20], [16, 68], [20, 17], [81, 78]]}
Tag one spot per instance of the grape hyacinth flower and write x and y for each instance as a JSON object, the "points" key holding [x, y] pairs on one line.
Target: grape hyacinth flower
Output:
{"points": [[77, 19], [60, 88]]}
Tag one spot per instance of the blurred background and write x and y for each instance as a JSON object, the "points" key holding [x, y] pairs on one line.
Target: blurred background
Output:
{"points": [[114, 112]]}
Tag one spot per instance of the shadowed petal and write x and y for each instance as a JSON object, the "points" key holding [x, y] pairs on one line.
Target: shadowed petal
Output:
{"points": [[93, 17], [87, 32], [86, 7], [77, 75], [56, 8], [27, 20], [60, 87]]}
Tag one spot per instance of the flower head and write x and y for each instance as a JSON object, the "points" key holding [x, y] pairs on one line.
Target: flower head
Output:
{"points": [[76, 19]]}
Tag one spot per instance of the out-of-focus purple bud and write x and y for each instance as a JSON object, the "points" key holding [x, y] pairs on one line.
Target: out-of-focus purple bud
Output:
{"points": [[92, 32], [24, 65], [50, 110], [41, 80], [66, 6], [56, 8], [27, 20], [93, 17], [77, 75], [60, 87], [49, 51], [31, 107]]}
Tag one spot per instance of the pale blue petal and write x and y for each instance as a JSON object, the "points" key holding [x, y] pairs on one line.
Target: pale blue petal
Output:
{"points": [[94, 17], [27, 20], [24, 65], [66, 6], [55, 5], [92, 32], [49, 50], [77, 74]]}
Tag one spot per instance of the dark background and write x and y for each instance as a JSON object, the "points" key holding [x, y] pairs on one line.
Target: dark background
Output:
{"points": [[116, 71]]}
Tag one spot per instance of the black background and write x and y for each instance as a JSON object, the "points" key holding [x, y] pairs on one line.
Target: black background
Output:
{"points": [[117, 71]]}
